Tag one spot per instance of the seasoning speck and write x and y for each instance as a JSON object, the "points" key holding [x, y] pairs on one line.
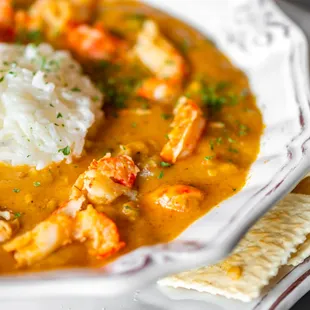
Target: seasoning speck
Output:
{"points": [[161, 175], [66, 150]]}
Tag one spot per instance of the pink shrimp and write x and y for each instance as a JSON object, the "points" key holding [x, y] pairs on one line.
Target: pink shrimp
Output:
{"points": [[180, 198], [163, 60], [76, 219], [94, 42], [187, 128]]}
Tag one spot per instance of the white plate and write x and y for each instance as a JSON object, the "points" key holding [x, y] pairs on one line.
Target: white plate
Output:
{"points": [[263, 42]]}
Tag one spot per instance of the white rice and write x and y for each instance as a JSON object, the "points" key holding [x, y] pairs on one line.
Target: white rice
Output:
{"points": [[46, 105]]}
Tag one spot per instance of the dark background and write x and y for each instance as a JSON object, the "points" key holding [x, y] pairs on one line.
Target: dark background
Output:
{"points": [[299, 11]]}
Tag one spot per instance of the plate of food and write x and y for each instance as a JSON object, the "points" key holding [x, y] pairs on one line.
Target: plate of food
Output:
{"points": [[145, 138]]}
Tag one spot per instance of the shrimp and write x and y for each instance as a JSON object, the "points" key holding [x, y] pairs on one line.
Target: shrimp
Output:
{"points": [[98, 232], [187, 127], [9, 224], [48, 236], [109, 178], [57, 15], [7, 32], [121, 169], [41, 241], [180, 198], [94, 42], [163, 60], [76, 219]]}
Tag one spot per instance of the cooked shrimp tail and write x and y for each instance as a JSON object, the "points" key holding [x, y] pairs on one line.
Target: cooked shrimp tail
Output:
{"points": [[163, 60], [98, 232], [187, 128]]}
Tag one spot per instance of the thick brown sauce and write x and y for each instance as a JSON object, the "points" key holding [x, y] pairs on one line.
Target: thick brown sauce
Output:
{"points": [[155, 224]]}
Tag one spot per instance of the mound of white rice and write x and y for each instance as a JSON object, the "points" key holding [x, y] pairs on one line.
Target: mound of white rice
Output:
{"points": [[46, 105]]}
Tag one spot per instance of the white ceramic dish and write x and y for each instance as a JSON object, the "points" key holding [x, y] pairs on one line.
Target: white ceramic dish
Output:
{"points": [[263, 42]]}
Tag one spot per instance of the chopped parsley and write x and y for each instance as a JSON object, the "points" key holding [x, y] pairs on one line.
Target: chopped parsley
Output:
{"points": [[211, 144], [230, 140], [16, 190], [43, 63], [208, 157], [161, 175], [214, 95], [138, 17], [17, 214], [243, 129], [52, 105], [66, 150], [219, 140], [36, 184], [95, 98], [134, 125], [167, 136], [145, 106], [1, 79], [35, 36], [165, 164], [233, 150], [75, 89], [184, 46], [166, 116], [234, 189], [59, 115]]}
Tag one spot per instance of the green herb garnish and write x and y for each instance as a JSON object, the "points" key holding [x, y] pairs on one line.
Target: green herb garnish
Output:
{"points": [[17, 214], [75, 89], [243, 129], [16, 190], [233, 150], [66, 150], [208, 157], [166, 116], [59, 115], [165, 164], [161, 175], [36, 184]]}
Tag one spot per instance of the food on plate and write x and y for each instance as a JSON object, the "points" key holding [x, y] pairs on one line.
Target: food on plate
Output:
{"points": [[9, 224], [163, 60], [258, 257], [181, 198], [53, 108], [120, 126], [187, 127]]}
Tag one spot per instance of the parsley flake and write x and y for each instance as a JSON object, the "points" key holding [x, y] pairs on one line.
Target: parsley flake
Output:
{"points": [[16, 190], [208, 157], [166, 116], [161, 175], [36, 184], [66, 150], [165, 164], [75, 89], [59, 115], [17, 214]]}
